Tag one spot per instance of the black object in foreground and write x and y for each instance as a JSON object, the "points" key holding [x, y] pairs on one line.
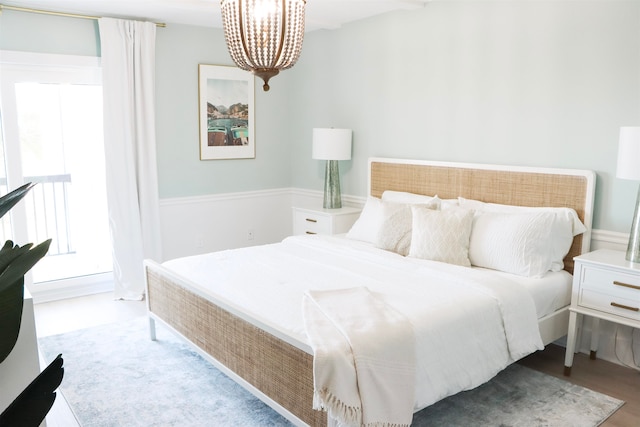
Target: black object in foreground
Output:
{"points": [[33, 404]]}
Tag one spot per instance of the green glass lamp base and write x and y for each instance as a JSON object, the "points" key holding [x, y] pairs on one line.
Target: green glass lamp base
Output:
{"points": [[332, 195]]}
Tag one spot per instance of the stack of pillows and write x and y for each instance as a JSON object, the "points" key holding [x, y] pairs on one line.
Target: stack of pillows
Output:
{"points": [[527, 241]]}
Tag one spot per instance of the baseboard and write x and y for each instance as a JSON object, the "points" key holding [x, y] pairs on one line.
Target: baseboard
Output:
{"points": [[71, 288]]}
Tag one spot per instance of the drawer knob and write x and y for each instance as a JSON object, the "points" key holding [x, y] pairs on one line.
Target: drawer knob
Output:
{"points": [[626, 307], [315, 220], [626, 285], [310, 232]]}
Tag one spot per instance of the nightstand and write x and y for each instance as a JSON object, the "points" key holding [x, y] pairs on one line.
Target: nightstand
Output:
{"points": [[323, 221], [605, 286]]}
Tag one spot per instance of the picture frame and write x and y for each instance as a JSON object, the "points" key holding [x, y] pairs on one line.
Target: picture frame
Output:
{"points": [[226, 97]]}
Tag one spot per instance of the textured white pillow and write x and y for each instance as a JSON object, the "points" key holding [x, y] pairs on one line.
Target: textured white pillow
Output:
{"points": [[409, 198], [395, 231], [563, 214], [526, 244], [368, 224], [441, 235], [565, 221]]}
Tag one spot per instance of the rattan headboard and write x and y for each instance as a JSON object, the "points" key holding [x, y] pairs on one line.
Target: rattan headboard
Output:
{"points": [[510, 185]]}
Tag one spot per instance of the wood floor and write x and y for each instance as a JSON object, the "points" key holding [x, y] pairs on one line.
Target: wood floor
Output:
{"points": [[599, 375]]}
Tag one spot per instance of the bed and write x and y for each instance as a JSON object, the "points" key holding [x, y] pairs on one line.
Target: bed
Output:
{"points": [[276, 362]]}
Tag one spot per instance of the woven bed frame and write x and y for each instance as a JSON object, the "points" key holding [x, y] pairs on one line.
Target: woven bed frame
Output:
{"points": [[277, 368]]}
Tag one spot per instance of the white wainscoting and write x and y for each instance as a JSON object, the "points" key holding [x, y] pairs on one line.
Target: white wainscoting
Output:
{"points": [[602, 239], [194, 225]]}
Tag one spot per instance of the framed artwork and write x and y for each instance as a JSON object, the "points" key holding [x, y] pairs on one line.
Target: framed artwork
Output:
{"points": [[226, 99]]}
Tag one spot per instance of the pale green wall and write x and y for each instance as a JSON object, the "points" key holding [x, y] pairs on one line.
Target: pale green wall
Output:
{"points": [[179, 50], [30, 32], [541, 83], [544, 83]]}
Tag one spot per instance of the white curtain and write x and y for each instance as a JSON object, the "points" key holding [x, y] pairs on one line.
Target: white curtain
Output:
{"points": [[128, 70]]}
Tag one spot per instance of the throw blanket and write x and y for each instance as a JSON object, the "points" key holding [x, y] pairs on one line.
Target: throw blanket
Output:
{"points": [[364, 358]]}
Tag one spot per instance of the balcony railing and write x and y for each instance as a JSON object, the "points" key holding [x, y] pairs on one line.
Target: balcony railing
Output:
{"points": [[47, 209]]}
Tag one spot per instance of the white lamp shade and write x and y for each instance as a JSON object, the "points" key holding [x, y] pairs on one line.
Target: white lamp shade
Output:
{"points": [[629, 153], [331, 144]]}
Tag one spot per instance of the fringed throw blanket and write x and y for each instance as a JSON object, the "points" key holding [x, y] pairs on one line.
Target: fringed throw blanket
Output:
{"points": [[364, 358]]}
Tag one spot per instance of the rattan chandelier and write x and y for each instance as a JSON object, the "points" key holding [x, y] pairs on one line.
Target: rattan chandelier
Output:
{"points": [[263, 36]]}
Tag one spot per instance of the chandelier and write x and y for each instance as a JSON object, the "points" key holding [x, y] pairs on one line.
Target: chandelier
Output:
{"points": [[263, 36]]}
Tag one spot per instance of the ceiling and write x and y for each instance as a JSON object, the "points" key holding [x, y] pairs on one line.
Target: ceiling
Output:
{"points": [[320, 14]]}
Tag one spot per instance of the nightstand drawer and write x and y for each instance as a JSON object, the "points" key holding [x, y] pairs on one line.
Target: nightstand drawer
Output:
{"points": [[323, 221], [307, 223], [629, 308], [611, 283]]}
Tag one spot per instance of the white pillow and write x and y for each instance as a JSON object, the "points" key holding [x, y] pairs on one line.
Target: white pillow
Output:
{"points": [[526, 244], [395, 232], [368, 224], [409, 198], [565, 219], [563, 214], [441, 235], [448, 204]]}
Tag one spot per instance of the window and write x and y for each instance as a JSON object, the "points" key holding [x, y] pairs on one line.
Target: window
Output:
{"points": [[51, 109]]}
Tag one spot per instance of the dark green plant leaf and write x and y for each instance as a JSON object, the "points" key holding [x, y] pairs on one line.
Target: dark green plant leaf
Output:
{"points": [[32, 405], [9, 200], [10, 252], [11, 302], [16, 261]]}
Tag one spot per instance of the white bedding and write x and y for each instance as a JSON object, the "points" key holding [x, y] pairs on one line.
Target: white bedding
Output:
{"points": [[457, 312]]}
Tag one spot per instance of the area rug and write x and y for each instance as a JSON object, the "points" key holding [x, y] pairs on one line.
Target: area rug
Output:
{"points": [[116, 376]]}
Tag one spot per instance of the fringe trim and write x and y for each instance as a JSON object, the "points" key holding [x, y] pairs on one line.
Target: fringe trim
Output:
{"points": [[324, 400], [383, 424], [327, 401]]}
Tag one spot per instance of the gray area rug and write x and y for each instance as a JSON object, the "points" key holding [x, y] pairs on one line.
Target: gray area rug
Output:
{"points": [[116, 376]]}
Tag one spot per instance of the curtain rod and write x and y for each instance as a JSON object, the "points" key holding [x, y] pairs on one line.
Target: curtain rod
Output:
{"points": [[69, 15]]}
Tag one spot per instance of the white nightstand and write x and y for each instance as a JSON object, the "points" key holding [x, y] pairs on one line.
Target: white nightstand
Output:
{"points": [[323, 221], [605, 286]]}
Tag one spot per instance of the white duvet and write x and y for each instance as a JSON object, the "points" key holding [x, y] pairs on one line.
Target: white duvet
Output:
{"points": [[469, 323]]}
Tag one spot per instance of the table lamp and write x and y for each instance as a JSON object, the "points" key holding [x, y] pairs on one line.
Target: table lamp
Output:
{"points": [[629, 168], [331, 145]]}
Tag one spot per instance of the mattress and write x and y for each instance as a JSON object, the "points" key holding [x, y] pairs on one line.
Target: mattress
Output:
{"points": [[457, 353]]}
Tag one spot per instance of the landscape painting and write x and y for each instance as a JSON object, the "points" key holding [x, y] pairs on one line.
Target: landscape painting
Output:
{"points": [[226, 98]]}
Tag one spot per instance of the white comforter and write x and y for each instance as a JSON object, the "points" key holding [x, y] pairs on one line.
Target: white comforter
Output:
{"points": [[469, 324]]}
